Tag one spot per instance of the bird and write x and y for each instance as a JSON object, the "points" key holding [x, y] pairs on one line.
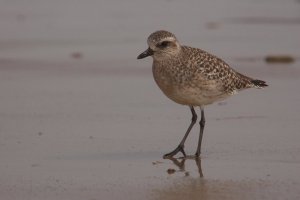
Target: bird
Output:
{"points": [[192, 77]]}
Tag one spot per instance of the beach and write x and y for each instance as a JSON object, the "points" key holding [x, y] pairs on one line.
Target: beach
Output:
{"points": [[82, 118]]}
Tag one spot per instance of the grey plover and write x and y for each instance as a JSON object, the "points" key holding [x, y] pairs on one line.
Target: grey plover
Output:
{"points": [[192, 77]]}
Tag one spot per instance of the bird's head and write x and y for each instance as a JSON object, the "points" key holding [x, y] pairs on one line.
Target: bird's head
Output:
{"points": [[162, 45]]}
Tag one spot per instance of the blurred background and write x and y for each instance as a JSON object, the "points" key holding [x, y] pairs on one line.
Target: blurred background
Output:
{"points": [[117, 30]]}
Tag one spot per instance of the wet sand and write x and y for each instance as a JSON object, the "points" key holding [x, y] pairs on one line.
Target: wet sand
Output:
{"points": [[81, 118]]}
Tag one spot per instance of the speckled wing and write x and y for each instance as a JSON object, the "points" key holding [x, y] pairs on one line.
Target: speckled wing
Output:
{"points": [[216, 72]]}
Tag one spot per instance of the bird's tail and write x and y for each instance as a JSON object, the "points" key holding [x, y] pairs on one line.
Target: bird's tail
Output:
{"points": [[259, 83], [252, 83]]}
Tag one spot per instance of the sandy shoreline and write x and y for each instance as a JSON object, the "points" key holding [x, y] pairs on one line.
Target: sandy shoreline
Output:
{"points": [[70, 135]]}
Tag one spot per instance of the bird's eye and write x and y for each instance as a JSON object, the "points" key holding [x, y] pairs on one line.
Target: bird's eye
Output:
{"points": [[164, 44]]}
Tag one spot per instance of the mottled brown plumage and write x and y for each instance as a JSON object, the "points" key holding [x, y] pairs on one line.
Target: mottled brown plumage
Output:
{"points": [[191, 76]]}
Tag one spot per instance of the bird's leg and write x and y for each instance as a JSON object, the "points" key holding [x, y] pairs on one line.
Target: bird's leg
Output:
{"points": [[202, 124], [181, 144]]}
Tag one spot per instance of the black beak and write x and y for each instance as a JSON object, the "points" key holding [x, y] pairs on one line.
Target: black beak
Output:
{"points": [[148, 52]]}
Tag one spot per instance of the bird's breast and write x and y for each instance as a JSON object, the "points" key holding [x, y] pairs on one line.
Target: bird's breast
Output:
{"points": [[184, 88], [172, 83], [163, 79]]}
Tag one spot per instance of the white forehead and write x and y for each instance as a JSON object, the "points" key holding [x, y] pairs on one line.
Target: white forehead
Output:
{"points": [[160, 36], [153, 41]]}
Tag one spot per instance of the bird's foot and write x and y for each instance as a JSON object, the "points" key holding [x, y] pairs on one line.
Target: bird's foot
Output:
{"points": [[192, 157], [197, 154], [175, 151]]}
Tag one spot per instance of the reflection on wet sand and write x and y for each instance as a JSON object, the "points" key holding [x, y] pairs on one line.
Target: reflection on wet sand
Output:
{"points": [[180, 163]]}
